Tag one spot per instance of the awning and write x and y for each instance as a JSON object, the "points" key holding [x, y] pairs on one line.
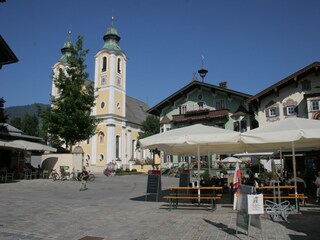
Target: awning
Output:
{"points": [[26, 145]]}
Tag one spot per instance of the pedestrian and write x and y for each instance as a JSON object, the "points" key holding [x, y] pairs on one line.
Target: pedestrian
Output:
{"points": [[84, 178], [317, 183]]}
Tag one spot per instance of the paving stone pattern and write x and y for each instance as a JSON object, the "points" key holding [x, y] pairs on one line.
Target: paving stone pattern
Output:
{"points": [[115, 208]]}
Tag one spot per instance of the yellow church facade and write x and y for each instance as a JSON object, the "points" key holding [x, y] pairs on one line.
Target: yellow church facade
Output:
{"points": [[120, 116]]}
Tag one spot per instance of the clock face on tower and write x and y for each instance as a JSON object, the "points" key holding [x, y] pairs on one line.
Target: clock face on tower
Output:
{"points": [[103, 80], [119, 81]]}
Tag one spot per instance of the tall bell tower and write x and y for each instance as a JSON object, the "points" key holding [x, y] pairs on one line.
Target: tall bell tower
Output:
{"points": [[110, 75], [110, 108]]}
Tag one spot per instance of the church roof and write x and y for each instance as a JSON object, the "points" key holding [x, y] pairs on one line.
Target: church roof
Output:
{"points": [[136, 111]]}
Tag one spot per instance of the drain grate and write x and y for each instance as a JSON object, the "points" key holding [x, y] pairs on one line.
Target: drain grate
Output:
{"points": [[91, 238]]}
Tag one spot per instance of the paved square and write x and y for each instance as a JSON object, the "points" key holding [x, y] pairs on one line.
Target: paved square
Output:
{"points": [[115, 208]]}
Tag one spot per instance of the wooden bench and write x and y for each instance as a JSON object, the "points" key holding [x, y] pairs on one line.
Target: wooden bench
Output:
{"points": [[174, 199]]}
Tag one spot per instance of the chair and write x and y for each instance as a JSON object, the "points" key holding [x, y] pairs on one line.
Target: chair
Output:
{"points": [[45, 173], [10, 176], [3, 175], [28, 174]]}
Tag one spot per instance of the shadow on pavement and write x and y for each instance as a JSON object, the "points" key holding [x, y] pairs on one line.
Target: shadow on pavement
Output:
{"points": [[224, 228], [306, 222]]}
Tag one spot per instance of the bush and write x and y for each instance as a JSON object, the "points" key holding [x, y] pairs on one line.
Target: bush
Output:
{"points": [[121, 172]]}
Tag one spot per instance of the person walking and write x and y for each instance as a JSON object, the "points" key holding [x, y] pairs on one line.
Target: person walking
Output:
{"points": [[84, 179], [317, 183]]}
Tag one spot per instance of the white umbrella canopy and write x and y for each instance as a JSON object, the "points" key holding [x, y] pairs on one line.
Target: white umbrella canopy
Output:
{"points": [[185, 140], [305, 133], [231, 160], [193, 140], [291, 133]]}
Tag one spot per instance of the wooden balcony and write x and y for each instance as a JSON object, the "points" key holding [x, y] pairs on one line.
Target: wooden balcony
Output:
{"points": [[201, 115]]}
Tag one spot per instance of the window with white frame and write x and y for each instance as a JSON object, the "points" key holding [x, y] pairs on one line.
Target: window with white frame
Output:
{"points": [[315, 105], [272, 112], [290, 110], [220, 104], [182, 109]]}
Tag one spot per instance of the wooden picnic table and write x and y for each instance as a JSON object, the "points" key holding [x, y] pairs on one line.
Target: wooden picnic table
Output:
{"points": [[193, 193]]}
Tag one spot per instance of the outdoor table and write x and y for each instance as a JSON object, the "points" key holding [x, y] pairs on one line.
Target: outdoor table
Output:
{"points": [[193, 193]]}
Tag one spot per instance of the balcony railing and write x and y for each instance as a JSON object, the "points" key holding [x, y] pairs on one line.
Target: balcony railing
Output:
{"points": [[203, 114]]}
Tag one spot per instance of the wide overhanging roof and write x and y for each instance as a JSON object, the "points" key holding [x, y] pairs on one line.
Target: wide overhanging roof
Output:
{"points": [[26, 145], [6, 54]]}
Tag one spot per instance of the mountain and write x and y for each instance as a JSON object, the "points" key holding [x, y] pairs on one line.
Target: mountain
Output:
{"points": [[20, 111]]}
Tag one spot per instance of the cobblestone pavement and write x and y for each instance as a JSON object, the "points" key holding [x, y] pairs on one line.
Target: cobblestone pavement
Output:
{"points": [[115, 208]]}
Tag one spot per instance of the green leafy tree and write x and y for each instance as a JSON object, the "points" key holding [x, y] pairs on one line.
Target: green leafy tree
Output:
{"points": [[150, 127], [70, 116]]}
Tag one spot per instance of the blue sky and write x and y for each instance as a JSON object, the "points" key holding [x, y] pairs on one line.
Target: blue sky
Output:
{"points": [[248, 43]]}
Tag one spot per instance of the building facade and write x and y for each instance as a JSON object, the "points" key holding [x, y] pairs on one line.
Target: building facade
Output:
{"points": [[120, 116], [208, 104], [297, 95]]}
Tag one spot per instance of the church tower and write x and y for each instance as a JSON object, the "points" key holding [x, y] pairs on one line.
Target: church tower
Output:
{"points": [[110, 87], [61, 64]]}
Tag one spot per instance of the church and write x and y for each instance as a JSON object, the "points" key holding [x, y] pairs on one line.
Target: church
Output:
{"points": [[120, 116]]}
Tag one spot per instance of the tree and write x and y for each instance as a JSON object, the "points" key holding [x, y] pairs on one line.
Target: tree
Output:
{"points": [[70, 116], [17, 123], [3, 115], [28, 124], [150, 127]]}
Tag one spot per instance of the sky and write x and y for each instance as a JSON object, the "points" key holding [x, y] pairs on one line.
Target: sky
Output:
{"points": [[248, 43]]}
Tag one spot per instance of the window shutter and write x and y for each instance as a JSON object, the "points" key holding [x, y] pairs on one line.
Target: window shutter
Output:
{"points": [[296, 110], [267, 112], [277, 111], [285, 113]]}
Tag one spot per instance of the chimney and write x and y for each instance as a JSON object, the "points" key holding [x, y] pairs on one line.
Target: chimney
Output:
{"points": [[223, 84]]}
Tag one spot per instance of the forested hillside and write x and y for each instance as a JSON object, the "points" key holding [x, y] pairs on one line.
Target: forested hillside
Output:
{"points": [[20, 111]]}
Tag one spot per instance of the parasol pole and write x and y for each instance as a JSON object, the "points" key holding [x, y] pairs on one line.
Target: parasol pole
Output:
{"points": [[198, 175], [295, 175]]}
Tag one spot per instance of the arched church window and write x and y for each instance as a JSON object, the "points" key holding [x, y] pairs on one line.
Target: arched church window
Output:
{"points": [[104, 64], [101, 137], [117, 146], [119, 65]]}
